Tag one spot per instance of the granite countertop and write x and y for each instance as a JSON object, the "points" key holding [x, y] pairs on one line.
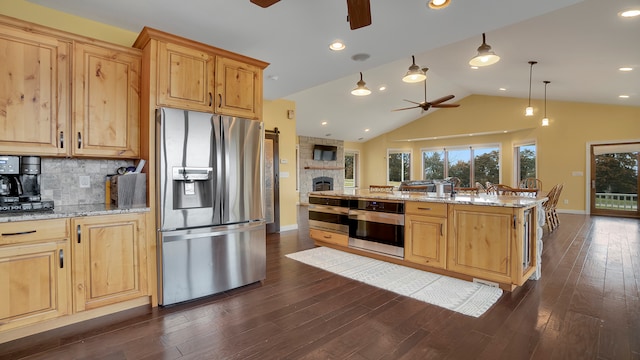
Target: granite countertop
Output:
{"points": [[462, 199], [67, 211]]}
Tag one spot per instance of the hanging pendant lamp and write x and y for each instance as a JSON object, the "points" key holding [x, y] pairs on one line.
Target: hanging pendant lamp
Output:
{"points": [[485, 56], [415, 73], [545, 120], [360, 89], [529, 110]]}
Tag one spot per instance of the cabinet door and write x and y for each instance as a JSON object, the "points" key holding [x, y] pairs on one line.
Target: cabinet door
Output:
{"points": [[109, 260], [425, 240], [480, 241], [34, 93], [329, 237], [185, 77], [106, 118], [238, 89], [35, 282]]}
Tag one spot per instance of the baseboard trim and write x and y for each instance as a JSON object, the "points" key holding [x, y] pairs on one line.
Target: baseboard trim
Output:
{"points": [[289, 227]]}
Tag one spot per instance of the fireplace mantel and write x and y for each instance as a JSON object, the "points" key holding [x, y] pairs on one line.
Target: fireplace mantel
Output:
{"points": [[324, 167]]}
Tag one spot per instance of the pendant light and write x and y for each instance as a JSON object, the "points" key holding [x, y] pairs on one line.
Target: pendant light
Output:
{"points": [[414, 74], [485, 56], [360, 89], [529, 110], [545, 120]]}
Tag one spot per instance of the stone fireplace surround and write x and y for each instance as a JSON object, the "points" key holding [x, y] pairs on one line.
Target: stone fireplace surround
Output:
{"points": [[312, 169]]}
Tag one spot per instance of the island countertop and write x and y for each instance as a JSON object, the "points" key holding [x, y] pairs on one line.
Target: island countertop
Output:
{"points": [[462, 199]]}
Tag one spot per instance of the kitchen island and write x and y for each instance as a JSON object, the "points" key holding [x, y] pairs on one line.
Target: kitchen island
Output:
{"points": [[494, 239]]}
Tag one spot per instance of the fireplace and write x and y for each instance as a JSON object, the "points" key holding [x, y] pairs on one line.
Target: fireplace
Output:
{"points": [[322, 183]]}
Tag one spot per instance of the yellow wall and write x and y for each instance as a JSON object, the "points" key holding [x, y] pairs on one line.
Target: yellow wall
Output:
{"points": [[561, 147], [275, 115], [41, 15]]}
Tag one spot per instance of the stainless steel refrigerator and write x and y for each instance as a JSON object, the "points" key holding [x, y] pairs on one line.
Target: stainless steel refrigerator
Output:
{"points": [[211, 234]]}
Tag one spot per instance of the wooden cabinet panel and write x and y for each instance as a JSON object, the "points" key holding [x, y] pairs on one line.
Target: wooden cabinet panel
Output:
{"points": [[106, 119], [425, 240], [33, 231], [34, 93], [35, 279], [185, 77], [329, 237], [109, 260], [425, 208], [480, 241], [238, 89]]}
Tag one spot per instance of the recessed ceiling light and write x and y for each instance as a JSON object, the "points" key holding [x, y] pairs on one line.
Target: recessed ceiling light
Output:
{"points": [[474, 67], [630, 13], [625, 69], [324, 123], [382, 87], [503, 89], [438, 4], [337, 45], [366, 130], [360, 57], [623, 96]]}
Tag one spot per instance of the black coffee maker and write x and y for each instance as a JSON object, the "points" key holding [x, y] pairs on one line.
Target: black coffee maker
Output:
{"points": [[10, 184], [30, 178]]}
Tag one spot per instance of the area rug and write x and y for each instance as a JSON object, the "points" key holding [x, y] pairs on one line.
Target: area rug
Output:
{"points": [[465, 297]]}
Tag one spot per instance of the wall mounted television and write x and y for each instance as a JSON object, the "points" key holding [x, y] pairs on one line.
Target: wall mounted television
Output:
{"points": [[325, 152]]}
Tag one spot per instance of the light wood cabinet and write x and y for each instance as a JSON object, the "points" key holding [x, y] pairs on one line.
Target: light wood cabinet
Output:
{"points": [[185, 77], [106, 120], [238, 89], [480, 241], [109, 260], [425, 239], [35, 272], [329, 237], [35, 93]]}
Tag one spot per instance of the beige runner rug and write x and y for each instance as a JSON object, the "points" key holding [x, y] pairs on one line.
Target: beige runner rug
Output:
{"points": [[465, 297]]}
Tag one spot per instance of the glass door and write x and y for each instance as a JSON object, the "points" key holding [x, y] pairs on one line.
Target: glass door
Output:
{"points": [[614, 179]]}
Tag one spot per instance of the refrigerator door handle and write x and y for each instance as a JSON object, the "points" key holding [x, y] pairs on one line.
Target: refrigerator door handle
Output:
{"points": [[217, 191]]}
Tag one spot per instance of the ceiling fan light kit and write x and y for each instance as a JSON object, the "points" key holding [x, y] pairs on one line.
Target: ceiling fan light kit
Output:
{"points": [[545, 120], [361, 89], [426, 105], [485, 55], [528, 111], [414, 74]]}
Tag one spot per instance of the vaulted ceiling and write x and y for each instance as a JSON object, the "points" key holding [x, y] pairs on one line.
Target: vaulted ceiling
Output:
{"points": [[579, 46]]}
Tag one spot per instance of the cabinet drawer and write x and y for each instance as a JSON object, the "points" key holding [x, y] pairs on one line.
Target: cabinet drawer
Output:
{"points": [[32, 231], [425, 208], [329, 237]]}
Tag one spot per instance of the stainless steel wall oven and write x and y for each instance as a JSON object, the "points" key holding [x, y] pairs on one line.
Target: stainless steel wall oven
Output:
{"points": [[330, 214]]}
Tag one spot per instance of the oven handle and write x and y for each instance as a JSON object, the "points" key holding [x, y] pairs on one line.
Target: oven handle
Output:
{"points": [[329, 209], [379, 217]]}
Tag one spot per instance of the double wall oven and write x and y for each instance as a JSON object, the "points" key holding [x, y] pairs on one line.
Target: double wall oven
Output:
{"points": [[372, 225]]}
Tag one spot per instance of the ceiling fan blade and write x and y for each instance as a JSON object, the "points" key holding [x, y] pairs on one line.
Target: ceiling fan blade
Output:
{"points": [[264, 3], [445, 105], [413, 102], [407, 108], [442, 99], [359, 12]]}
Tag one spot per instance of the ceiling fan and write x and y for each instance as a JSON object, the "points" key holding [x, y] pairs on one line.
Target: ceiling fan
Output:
{"points": [[358, 11], [426, 105]]}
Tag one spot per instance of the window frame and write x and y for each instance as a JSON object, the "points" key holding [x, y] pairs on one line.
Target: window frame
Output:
{"points": [[399, 151], [356, 170]]}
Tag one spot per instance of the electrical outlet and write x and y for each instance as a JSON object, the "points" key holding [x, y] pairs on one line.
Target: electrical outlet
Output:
{"points": [[566, 201], [85, 181]]}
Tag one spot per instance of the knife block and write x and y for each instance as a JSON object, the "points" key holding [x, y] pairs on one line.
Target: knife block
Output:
{"points": [[129, 190]]}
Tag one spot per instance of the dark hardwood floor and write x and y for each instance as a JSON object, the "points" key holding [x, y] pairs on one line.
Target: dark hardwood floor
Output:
{"points": [[586, 306]]}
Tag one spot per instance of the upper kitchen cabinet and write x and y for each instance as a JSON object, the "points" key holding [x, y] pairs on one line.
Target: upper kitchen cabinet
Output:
{"points": [[238, 89], [186, 74], [185, 77], [106, 120], [34, 92]]}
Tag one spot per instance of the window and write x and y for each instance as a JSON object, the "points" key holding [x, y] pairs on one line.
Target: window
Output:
{"points": [[351, 168], [398, 166], [525, 161], [471, 164]]}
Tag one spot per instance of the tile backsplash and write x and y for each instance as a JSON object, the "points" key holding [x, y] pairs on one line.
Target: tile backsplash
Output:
{"points": [[60, 179]]}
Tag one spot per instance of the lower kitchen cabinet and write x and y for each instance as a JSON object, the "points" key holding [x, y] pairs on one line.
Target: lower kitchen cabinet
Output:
{"points": [[425, 233], [110, 264], [35, 272], [329, 237], [480, 241]]}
